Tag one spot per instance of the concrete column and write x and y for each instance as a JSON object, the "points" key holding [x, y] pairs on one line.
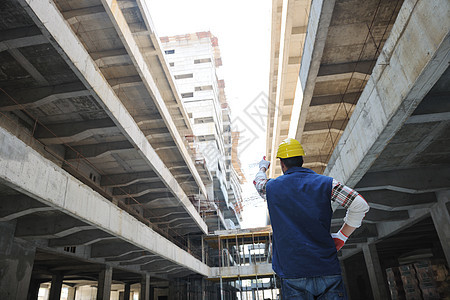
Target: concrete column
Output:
{"points": [[203, 290], [127, 292], [145, 287], [71, 293], [375, 273], [203, 250], [172, 290], [152, 293], [344, 278], [104, 284], [441, 220], [33, 290], [55, 289], [16, 263]]}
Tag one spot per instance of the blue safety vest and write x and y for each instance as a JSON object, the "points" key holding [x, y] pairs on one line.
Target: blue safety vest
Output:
{"points": [[300, 213]]}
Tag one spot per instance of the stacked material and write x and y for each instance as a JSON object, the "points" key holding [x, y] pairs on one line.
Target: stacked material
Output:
{"points": [[440, 275], [419, 281], [427, 283], [410, 283], [395, 284]]}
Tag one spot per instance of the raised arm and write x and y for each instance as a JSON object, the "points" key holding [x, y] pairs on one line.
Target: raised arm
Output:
{"points": [[260, 180]]}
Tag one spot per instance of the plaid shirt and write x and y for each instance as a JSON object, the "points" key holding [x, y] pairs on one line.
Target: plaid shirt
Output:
{"points": [[340, 193]]}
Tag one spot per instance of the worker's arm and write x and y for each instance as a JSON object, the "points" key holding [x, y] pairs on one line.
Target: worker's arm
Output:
{"points": [[356, 206], [260, 180]]}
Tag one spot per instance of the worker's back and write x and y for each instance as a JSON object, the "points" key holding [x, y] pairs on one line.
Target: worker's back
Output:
{"points": [[300, 213]]}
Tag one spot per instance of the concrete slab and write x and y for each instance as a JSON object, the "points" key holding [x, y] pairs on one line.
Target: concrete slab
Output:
{"points": [[28, 172], [398, 90], [65, 41]]}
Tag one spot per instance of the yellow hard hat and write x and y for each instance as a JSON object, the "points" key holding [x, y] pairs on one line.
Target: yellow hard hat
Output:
{"points": [[290, 148]]}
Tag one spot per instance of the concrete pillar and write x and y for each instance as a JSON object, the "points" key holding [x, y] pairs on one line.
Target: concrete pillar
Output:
{"points": [[55, 288], [127, 291], [71, 293], [172, 290], [104, 283], [145, 287], [375, 273], [441, 220], [152, 293], [203, 289], [344, 278], [33, 290], [16, 263]]}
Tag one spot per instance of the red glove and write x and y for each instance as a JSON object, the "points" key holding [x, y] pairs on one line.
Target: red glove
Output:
{"points": [[339, 239]]}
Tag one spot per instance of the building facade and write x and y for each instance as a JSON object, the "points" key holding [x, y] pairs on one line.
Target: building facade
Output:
{"points": [[194, 60]]}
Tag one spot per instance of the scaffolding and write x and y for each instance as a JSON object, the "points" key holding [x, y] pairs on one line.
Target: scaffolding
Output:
{"points": [[244, 263]]}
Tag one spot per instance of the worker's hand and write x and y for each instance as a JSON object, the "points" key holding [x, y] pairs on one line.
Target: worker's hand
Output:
{"points": [[339, 239], [264, 164]]}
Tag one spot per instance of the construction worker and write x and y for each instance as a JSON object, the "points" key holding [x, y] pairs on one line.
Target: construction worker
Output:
{"points": [[304, 251]]}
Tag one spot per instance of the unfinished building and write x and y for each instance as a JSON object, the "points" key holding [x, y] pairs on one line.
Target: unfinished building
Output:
{"points": [[101, 186], [364, 86]]}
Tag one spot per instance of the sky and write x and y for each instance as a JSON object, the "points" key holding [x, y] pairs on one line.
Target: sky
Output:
{"points": [[243, 31]]}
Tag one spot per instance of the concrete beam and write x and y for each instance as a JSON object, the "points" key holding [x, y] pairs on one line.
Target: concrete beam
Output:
{"points": [[118, 180], [113, 9], [130, 257], [54, 187], [28, 66], [137, 190], [319, 21], [417, 180], [163, 197], [324, 126], [97, 150], [21, 37], [343, 77], [394, 89], [125, 82], [112, 61], [142, 259], [386, 229], [113, 249], [264, 269], [433, 134], [85, 237], [67, 44], [299, 30], [63, 133], [157, 264], [13, 207], [108, 53], [376, 215], [428, 118], [349, 98], [83, 11], [392, 200], [286, 24], [37, 227], [363, 67], [34, 97]]}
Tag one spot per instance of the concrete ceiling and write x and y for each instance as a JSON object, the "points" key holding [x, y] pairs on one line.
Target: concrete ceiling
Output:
{"points": [[77, 89], [402, 172], [43, 90]]}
